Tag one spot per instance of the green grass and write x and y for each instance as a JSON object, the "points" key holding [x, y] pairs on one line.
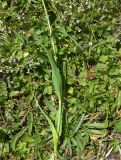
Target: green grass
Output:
{"points": [[60, 80]]}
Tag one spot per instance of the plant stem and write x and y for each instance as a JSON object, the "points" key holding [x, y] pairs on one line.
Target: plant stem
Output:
{"points": [[59, 124], [49, 25]]}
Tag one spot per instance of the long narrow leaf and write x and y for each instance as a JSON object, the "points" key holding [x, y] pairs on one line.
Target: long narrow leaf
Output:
{"points": [[56, 76], [53, 130], [17, 137], [79, 124]]}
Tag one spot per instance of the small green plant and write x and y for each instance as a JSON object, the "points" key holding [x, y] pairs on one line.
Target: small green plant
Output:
{"points": [[57, 83]]}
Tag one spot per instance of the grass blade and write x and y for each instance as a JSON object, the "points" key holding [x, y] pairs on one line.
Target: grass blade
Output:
{"points": [[17, 137], [79, 124]]}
